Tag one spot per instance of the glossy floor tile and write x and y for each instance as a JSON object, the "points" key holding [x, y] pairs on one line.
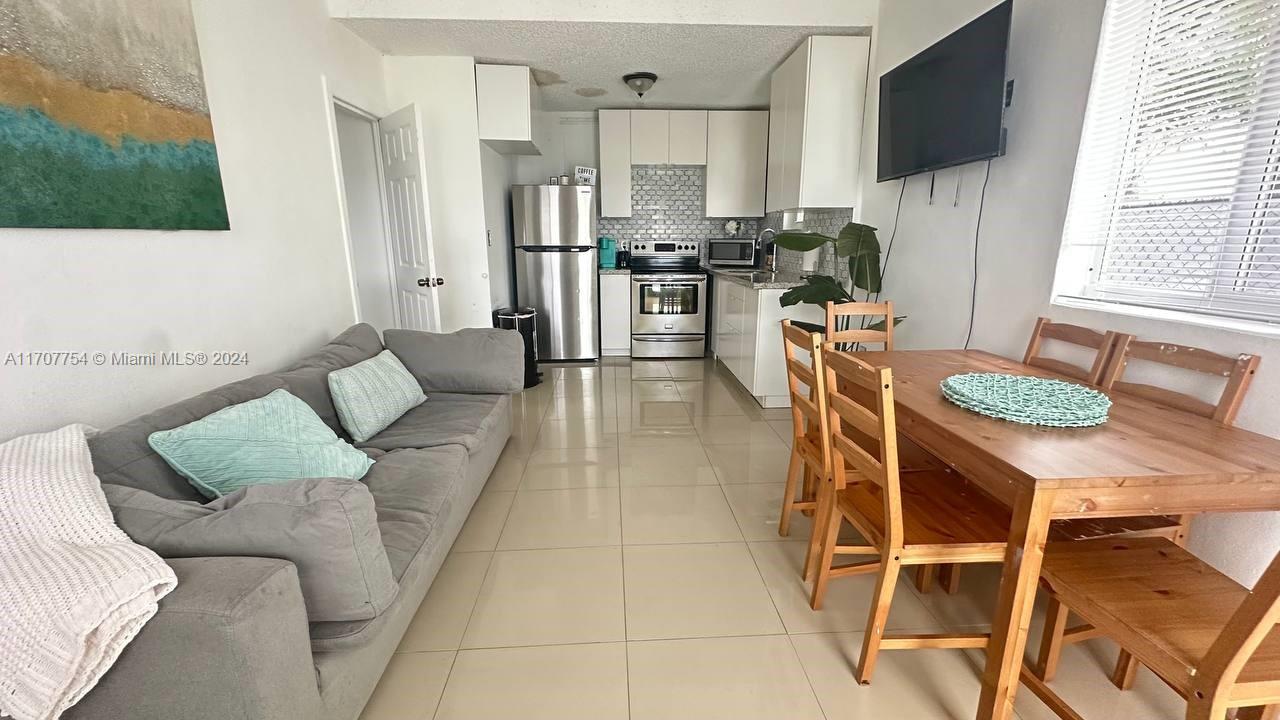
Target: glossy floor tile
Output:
{"points": [[549, 597], [696, 514], [623, 561], [567, 468], [740, 678], [560, 682], [410, 687], [683, 591], [582, 517]]}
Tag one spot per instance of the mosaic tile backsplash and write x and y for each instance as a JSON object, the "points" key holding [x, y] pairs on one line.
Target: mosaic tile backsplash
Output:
{"points": [[827, 221], [668, 203]]}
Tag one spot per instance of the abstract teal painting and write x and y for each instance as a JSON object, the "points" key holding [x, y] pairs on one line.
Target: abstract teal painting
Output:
{"points": [[104, 122]]}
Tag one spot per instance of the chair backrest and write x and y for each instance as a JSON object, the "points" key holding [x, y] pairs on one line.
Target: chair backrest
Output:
{"points": [[805, 385], [1237, 371], [1248, 627], [1101, 343], [846, 378], [841, 329]]}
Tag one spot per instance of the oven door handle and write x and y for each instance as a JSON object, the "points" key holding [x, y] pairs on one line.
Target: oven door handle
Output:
{"points": [[669, 281]]}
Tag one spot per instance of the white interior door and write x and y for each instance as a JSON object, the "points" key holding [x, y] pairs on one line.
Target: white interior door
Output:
{"points": [[409, 220]]}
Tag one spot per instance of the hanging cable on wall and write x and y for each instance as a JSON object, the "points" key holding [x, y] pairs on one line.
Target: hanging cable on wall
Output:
{"points": [[977, 228]]}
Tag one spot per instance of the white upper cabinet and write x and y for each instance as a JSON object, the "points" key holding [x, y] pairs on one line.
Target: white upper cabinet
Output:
{"points": [[737, 153], [615, 163], [687, 144], [816, 103], [507, 107], [650, 137]]}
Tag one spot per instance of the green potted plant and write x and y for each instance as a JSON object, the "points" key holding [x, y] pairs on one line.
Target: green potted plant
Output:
{"points": [[856, 242]]}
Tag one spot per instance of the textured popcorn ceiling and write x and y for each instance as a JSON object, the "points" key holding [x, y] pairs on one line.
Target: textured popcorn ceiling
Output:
{"points": [[698, 65]]}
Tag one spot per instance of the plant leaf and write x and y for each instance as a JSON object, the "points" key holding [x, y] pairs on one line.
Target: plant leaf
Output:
{"points": [[879, 324], [857, 239], [864, 270], [801, 241], [817, 290]]}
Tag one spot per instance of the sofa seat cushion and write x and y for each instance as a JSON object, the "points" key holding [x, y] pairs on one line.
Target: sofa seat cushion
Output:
{"points": [[411, 489], [444, 419]]}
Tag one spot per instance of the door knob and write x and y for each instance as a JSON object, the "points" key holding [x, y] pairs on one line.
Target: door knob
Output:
{"points": [[430, 282], [423, 282]]}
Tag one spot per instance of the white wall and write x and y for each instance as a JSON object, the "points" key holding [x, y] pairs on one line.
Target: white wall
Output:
{"points": [[1051, 59], [275, 286], [497, 173], [366, 232], [566, 140], [444, 89]]}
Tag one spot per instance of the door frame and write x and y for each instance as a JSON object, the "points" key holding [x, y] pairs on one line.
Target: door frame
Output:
{"points": [[332, 102]]}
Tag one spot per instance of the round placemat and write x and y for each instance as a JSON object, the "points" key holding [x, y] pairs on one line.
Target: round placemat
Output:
{"points": [[1028, 400]]}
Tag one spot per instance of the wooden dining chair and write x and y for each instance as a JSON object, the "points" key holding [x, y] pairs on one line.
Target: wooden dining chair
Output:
{"points": [[908, 519], [1205, 635], [1102, 343], [1237, 373], [809, 460], [842, 330]]}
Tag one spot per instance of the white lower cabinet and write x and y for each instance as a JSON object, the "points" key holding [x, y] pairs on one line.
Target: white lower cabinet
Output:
{"points": [[746, 331], [615, 314]]}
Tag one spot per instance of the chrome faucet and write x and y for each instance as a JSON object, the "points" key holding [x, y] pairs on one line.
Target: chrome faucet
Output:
{"points": [[770, 260]]}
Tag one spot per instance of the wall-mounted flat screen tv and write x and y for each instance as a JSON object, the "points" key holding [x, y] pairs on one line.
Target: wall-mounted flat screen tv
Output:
{"points": [[945, 106]]}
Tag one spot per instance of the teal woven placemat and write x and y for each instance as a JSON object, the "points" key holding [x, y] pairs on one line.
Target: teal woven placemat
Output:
{"points": [[1028, 400]]}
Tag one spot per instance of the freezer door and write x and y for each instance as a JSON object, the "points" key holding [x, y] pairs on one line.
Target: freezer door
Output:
{"points": [[561, 215], [563, 286]]}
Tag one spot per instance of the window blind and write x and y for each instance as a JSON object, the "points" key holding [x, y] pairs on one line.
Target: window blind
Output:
{"points": [[1175, 203]]}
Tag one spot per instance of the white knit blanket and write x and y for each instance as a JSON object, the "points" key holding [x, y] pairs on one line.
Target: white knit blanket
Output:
{"points": [[74, 589]]}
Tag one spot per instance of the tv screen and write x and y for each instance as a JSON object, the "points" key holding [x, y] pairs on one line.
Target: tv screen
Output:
{"points": [[945, 106]]}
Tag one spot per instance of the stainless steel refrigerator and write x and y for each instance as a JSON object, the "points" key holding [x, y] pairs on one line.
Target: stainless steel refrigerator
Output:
{"points": [[555, 261]]}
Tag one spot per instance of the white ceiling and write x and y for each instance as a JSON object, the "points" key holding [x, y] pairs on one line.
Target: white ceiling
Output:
{"points": [[698, 65]]}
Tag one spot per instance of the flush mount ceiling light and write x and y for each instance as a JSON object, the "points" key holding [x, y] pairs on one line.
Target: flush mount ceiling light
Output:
{"points": [[640, 82]]}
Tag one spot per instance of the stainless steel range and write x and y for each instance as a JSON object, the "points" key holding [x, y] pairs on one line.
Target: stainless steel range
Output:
{"points": [[668, 300]]}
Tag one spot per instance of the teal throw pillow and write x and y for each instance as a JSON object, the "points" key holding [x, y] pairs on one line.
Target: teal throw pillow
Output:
{"points": [[371, 395], [274, 439]]}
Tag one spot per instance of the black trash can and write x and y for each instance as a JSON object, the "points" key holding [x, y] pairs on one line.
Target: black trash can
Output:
{"points": [[523, 320]]}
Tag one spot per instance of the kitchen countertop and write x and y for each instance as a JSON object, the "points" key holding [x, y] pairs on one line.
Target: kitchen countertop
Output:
{"points": [[615, 271], [759, 280]]}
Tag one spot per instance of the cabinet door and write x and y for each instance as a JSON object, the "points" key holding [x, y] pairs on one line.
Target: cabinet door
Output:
{"points": [[615, 314], [615, 163], [749, 327], [777, 129], [833, 110], [650, 137], [793, 139], [688, 137], [504, 102], [737, 153]]}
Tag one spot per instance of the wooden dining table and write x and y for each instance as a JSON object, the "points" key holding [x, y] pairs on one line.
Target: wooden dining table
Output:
{"points": [[1147, 459]]}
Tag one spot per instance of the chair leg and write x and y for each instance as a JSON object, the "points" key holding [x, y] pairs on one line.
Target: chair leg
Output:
{"points": [[1051, 641], [817, 532], [810, 487], [949, 575], [924, 578], [830, 534], [1126, 671], [890, 564], [789, 493]]}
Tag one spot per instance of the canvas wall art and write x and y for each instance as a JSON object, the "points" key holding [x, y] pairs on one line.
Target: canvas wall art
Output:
{"points": [[104, 121]]}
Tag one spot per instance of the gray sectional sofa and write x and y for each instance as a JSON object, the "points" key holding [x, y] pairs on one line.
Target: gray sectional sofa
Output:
{"points": [[233, 640]]}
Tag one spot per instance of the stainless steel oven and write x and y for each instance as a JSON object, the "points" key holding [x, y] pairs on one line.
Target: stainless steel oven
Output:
{"points": [[732, 251], [668, 315]]}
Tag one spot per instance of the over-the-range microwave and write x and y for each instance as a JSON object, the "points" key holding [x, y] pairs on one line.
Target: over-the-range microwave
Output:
{"points": [[731, 251]]}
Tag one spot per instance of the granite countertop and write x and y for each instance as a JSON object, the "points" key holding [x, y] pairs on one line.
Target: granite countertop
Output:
{"points": [[615, 271], [758, 280]]}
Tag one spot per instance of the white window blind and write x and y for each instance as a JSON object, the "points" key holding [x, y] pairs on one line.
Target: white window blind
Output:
{"points": [[1176, 198]]}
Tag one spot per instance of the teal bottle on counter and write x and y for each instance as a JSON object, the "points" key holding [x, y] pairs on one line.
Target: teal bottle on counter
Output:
{"points": [[608, 252]]}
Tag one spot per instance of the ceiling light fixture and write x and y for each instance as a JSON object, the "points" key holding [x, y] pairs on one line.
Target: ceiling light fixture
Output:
{"points": [[640, 82]]}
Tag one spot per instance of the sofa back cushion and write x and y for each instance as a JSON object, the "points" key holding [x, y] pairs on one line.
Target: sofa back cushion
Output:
{"points": [[122, 456]]}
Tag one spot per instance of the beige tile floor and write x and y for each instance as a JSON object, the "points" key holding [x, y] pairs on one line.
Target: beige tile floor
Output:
{"points": [[624, 562]]}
